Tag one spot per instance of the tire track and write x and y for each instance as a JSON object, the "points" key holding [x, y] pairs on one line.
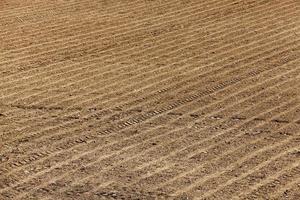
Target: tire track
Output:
{"points": [[204, 74], [219, 141], [207, 106], [87, 78], [43, 154], [104, 131], [86, 178], [295, 71]]}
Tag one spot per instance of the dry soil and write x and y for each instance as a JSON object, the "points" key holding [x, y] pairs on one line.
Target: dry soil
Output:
{"points": [[149, 99]]}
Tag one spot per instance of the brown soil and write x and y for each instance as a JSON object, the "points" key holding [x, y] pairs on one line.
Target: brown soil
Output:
{"points": [[149, 99]]}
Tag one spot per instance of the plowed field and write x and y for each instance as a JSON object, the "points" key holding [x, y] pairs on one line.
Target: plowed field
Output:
{"points": [[149, 99]]}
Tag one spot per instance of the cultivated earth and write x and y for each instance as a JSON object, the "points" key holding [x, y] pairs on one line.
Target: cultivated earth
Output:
{"points": [[149, 99]]}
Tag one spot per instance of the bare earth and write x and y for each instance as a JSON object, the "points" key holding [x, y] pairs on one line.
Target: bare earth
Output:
{"points": [[149, 99]]}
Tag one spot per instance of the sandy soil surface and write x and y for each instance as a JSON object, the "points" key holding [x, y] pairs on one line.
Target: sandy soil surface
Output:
{"points": [[149, 99]]}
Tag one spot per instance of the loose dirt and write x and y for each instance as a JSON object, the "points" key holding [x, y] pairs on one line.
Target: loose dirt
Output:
{"points": [[149, 99]]}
